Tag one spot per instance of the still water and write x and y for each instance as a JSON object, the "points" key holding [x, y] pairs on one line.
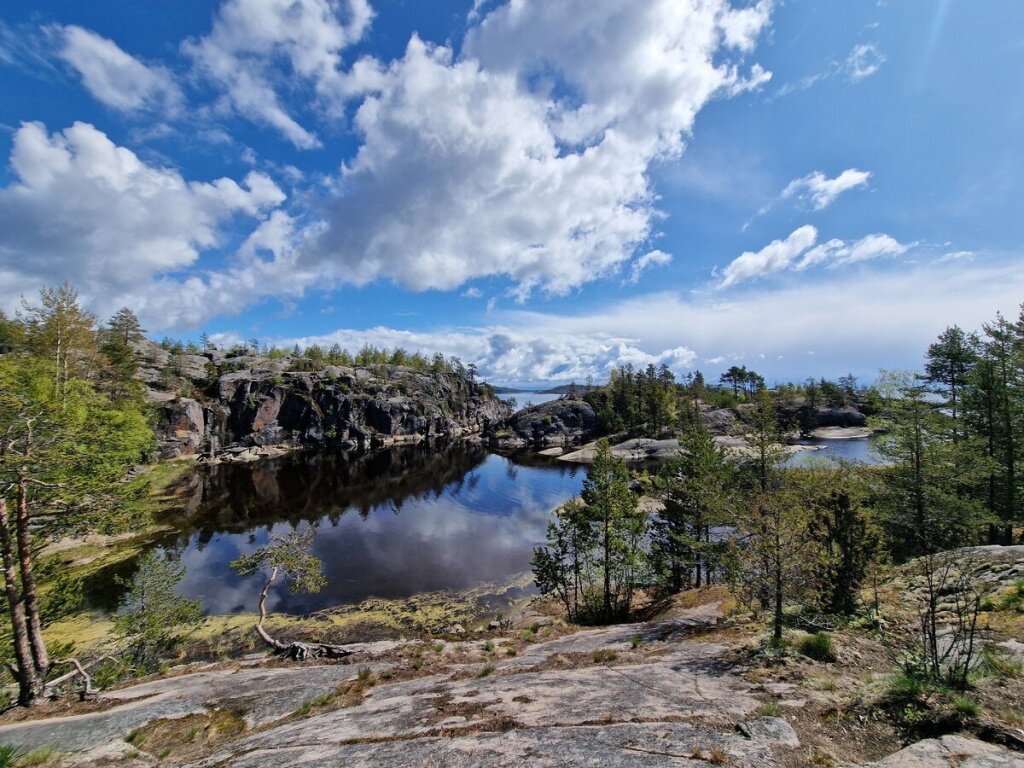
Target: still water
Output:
{"points": [[529, 398], [857, 449], [391, 524]]}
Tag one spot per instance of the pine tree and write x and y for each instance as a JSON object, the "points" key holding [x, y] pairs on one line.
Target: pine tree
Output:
{"points": [[61, 457], [152, 613], [698, 486], [950, 361], [58, 329]]}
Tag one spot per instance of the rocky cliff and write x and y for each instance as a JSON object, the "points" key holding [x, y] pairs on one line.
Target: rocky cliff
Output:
{"points": [[211, 403]]}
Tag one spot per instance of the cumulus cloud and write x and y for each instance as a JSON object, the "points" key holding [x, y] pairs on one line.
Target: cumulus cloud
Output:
{"points": [[89, 211], [527, 156], [114, 77], [799, 252], [822, 191], [777, 255], [250, 38], [506, 353], [837, 252]]}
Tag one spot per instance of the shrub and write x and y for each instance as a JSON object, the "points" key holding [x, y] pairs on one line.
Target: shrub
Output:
{"points": [[485, 670]]}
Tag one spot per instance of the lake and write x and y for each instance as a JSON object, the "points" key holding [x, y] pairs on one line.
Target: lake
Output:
{"points": [[391, 524], [529, 398], [857, 449]]}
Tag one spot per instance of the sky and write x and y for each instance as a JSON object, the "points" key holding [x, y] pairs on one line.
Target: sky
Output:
{"points": [[545, 189]]}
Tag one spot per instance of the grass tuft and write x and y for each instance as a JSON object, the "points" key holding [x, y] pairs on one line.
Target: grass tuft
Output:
{"points": [[818, 647]]}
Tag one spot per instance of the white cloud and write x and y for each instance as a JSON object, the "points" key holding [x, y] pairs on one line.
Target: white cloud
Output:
{"points": [[838, 253], [468, 167], [799, 252], [250, 37], [471, 167], [852, 322], [86, 210], [822, 191], [114, 77], [506, 354], [777, 255], [864, 60], [650, 259]]}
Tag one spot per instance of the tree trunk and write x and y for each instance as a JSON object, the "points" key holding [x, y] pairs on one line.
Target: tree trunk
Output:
{"points": [[298, 651], [777, 631], [28, 680], [607, 572], [28, 582]]}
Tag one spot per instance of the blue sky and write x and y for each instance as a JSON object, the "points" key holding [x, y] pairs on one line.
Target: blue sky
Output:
{"points": [[545, 189]]}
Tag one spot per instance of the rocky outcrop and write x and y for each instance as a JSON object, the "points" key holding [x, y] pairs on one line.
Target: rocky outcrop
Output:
{"points": [[960, 750], [566, 421], [207, 403]]}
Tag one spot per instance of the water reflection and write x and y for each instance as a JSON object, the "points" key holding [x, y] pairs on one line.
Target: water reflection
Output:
{"points": [[392, 524]]}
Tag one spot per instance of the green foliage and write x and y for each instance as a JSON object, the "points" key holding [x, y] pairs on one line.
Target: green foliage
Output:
{"points": [[595, 558], [77, 440], [12, 335], [62, 598], [769, 709], [646, 400], [926, 498], [770, 554], [152, 613], [697, 486], [290, 556], [818, 647], [846, 537], [486, 670], [749, 383], [59, 331]]}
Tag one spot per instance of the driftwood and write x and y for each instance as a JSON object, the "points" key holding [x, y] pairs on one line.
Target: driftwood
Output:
{"points": [[80, 670]]}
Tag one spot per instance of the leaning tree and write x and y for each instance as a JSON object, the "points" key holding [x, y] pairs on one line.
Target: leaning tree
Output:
{"points": [[290, 558]]}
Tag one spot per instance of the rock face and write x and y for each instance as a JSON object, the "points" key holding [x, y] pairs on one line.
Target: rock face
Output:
{"points": [[669, 701], [962, 751], [206, 403], [565, 421], [839, 417]]}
